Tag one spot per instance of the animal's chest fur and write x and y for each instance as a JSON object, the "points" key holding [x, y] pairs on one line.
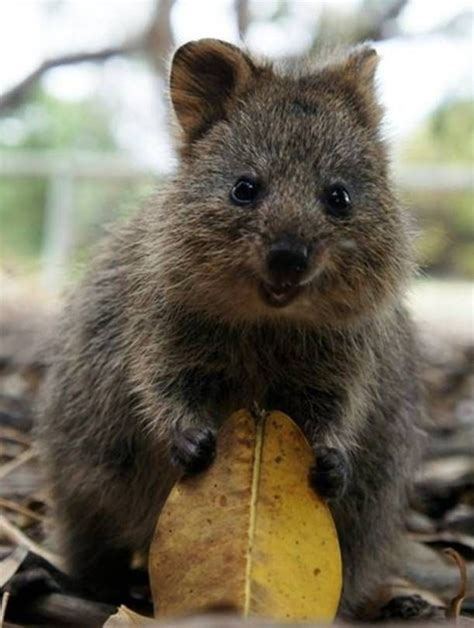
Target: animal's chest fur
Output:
{"points": [[228, 369]]}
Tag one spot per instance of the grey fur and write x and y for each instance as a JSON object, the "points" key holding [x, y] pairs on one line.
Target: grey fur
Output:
{"points": [[168, 329]]}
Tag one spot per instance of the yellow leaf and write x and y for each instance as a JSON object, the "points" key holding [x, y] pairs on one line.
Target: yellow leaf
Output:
{"points": [[249, 535]]}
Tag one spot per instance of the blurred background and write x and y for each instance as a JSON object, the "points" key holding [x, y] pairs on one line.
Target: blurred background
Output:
{"points": [[84, 138], [84, 118]]}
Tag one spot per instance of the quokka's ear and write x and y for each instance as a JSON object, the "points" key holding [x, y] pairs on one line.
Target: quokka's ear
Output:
{"points": [[361, 66], [206, 75], [357, 71]]}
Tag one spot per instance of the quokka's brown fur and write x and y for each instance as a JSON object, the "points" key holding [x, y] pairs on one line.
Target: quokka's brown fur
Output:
{"points": [[170, 331]]}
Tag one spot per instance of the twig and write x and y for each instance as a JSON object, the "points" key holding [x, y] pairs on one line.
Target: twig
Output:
{"points": [[158, 39], [16, 536], [374, 25], [64, 610], [17, 93], [242, 13], [3, 608], [454, 608], [22, 458], [41, 495], [23, 510], [155, 41], [10, 433]]}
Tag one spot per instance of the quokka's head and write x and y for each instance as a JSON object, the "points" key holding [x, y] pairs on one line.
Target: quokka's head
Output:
{"points": [[281, 208]]}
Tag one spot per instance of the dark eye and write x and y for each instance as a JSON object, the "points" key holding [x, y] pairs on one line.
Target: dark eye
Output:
{"points": [[337, 201], [244, 191]]}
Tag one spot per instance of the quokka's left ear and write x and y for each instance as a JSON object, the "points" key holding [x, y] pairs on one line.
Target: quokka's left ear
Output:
{"points": [[206, 77]]}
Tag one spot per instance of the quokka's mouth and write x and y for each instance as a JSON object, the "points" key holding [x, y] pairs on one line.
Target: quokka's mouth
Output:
{"points": [[279, 295]]}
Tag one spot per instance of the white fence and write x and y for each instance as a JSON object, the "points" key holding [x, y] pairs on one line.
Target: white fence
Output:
{"points": [[64, 170]]}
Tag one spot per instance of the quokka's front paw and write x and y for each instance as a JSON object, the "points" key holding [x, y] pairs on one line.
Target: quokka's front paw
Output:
{"points": [[194, 449], [330, 474]]}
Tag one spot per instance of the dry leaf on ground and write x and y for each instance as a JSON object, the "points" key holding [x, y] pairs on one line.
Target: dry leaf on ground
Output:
{"points": [[126, 617]]}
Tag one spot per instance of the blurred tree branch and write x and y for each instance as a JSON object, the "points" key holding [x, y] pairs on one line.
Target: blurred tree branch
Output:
{"points": [[375, 21], [18, 93], [159, 38], [155, 43], [243, 16], [382, 24]]}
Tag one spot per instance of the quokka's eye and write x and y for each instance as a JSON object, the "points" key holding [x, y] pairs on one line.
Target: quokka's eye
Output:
{"points": [[244, 191], [337, 201]]}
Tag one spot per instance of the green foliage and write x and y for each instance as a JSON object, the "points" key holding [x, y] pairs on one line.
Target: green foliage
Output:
{"points": [[21, 217], [447, 232], [44, 123], [446, 137], [100, 206], [446, 220]]}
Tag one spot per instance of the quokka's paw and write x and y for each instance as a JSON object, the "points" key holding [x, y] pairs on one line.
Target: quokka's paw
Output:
{"points": [[330, 474], [194, 449]]}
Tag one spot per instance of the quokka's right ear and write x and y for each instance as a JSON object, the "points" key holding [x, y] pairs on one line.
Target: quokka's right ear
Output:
{"points": [[206, 76], [357, 72]]}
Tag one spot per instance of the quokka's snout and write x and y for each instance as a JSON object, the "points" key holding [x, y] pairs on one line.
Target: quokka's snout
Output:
{"points": [[289, 264], [287, 261]]}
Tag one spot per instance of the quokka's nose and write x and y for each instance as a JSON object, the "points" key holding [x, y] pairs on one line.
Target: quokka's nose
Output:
{"points": [[287, 260]]}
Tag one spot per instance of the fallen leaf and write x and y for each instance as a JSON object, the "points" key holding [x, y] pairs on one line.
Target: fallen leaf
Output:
{"points": [[125, 617], [249, 535]]}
